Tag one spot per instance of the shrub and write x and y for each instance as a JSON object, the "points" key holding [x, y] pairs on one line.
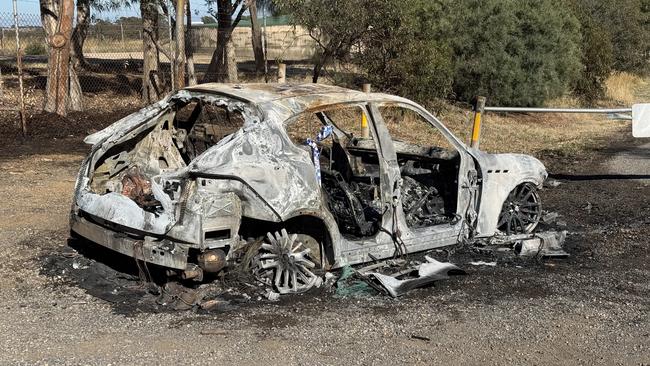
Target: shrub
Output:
{"points": [[407, 51], [515, 53], [597, 61], [625, 22], [35, 49]]}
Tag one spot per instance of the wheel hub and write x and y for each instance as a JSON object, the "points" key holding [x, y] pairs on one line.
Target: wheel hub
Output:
{"points": [[285, 263]]}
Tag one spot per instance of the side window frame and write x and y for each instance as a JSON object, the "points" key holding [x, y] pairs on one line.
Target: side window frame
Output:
{"points": [[430, 119]]}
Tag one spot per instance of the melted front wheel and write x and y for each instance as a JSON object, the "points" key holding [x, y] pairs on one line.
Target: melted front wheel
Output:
{"points": [[521, 211]]}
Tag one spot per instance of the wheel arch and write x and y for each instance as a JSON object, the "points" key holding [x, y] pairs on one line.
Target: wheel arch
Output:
{"points": [[492, 202], [303, 223]]}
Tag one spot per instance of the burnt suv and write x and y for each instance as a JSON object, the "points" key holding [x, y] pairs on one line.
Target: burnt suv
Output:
{"points": [[292, 179]]}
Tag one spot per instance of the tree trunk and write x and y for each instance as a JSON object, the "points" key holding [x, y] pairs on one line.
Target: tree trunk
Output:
{"points": [[318, 66], [150, 57], [231, 62], [216, 69], [79, 34], [189, 48], [58, 28], [75, 100], [256, 35], [179, 64], [218, 63]]}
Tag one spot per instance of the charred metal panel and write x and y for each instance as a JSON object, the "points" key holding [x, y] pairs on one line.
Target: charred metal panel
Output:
{"points": [[264, 157], [164, 253], [501, 174]]}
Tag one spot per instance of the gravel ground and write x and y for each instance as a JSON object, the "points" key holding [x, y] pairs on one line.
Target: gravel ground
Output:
{"points": [[592, 308]]}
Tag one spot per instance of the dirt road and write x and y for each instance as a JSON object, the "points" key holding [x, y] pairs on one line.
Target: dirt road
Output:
{"points": [[593, 308]]}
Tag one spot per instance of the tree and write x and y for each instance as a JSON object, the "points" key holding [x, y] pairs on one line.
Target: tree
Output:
{"points": [[335, 25], [515, 53], [82, 23], [597, 57], [625, 23], [256, 37], [79, 34], [150, 58], [189, 47], [179, 60], [228, 14], [406, 49], [206, 19], [63, 91]]}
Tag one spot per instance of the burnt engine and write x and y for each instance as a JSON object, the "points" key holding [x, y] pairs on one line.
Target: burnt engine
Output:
{"points": [[351, 181]]}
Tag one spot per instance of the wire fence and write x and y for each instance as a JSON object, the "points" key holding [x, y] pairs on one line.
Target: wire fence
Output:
{"points": [[113, 51]]}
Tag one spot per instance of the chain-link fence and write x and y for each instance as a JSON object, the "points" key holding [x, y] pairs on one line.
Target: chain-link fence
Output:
{"points": [[111, 62]]}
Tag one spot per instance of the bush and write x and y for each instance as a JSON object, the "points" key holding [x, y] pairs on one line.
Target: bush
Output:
{"points": [[597, 61], [515, 53], [625, 23], [519, 53], [35, 49], [407, 51]]}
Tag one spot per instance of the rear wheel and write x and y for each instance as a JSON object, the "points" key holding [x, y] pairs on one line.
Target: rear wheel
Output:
{"points": [[288, 261], [521, 211]]}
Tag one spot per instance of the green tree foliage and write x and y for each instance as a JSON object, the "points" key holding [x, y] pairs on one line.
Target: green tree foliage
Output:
{"points": [[208, 20], [516, 53], [597, 58], [336, 25], [406, 51], [623, 23]]}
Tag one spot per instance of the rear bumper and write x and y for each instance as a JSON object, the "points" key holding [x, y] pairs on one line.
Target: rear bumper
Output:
{"points": [[161, 252]]}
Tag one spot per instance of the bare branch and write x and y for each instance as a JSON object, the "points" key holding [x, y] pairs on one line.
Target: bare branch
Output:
{"points": [[239, 15], [158, 46]]}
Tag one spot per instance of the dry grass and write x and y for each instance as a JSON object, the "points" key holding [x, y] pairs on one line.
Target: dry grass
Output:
{"points": [[536, 134], [622, 88]]}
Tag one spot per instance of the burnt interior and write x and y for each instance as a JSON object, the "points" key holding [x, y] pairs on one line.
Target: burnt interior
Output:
{"points": [[350, 175], [204, 125], [180, 134]]}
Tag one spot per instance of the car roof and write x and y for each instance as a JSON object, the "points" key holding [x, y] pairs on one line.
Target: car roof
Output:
{"points": [[295, 97]]}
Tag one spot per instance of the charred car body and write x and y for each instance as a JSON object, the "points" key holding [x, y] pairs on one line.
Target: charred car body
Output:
{"points": [[191, 182]]}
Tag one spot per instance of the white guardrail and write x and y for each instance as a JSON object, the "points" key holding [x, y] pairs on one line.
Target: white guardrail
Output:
{"points": [[639, 114]]}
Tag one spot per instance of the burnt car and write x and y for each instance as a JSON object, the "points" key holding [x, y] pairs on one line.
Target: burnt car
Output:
{"points": [[288, 181]]}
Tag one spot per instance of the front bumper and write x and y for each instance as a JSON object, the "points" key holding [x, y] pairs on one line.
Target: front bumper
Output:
{"points": [[161, 252]]}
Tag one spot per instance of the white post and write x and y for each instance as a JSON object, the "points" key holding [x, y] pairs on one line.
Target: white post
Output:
{"points": [[282, 73], [122, 33], [266, 63], [19, 62]]}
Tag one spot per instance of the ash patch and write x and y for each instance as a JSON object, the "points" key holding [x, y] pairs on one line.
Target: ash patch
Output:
{"points": [[113, 279], [132, 288]]}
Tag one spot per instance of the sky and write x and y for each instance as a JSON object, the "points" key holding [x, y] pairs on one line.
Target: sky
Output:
{"points": [[31, 7]]}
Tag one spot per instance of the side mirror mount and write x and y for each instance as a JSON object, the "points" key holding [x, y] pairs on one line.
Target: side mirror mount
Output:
{"points": [[641, 120]]}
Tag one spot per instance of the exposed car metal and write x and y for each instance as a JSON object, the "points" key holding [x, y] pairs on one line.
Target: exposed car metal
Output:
{"points": [[170, 189]]}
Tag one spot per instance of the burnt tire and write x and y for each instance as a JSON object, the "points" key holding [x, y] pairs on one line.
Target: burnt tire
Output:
{"points": [[521, 211]]}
